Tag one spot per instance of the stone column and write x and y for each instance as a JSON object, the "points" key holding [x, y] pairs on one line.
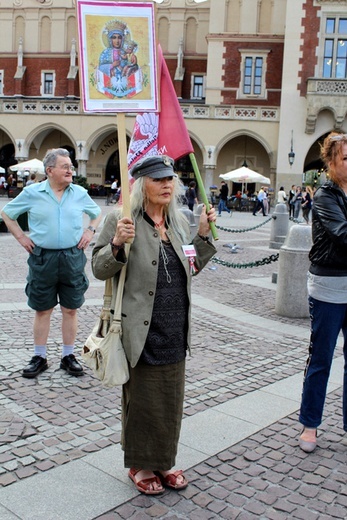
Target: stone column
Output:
{"points": [[82, 168], [210, 166], [208, 178]]}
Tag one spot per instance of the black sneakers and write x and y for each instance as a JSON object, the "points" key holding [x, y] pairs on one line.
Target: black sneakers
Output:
{"points": [[71, 365], [36, 365]]}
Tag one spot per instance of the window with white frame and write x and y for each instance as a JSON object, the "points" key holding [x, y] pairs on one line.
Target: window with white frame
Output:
{"points": [[1, 82], [47, 83], [335, 47], [198, 86], [253, 73]]}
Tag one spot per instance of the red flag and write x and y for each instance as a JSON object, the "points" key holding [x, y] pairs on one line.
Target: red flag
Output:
{"points": [[164, 133]]}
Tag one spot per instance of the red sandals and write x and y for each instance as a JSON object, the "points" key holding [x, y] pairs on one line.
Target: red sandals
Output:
{"points": [[148, 486], [170, 480]]}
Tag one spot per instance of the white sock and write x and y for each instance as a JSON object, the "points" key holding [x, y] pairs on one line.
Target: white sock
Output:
{"points": [[67, 350], [40, 350]]}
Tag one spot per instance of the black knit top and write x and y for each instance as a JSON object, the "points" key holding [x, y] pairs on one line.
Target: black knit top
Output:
{"points": [[166, 342]]}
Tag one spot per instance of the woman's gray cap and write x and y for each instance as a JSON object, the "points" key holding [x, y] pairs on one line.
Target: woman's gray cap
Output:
{"points": [[155, 166]]}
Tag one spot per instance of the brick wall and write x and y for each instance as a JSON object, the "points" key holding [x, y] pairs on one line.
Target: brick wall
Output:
{"points": [[31, 83], [192, 66], [310, 25], [9, 65], [232, 71]]}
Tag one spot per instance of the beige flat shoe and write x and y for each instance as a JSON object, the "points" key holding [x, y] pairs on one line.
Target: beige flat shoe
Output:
{"points": [[308, 446]]}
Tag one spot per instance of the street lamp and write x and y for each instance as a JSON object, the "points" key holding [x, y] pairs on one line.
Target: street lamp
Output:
{"points": [[291, 155]]}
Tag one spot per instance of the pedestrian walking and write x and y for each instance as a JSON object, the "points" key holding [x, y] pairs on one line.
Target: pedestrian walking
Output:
{"points": [[327, 288], [281, 195], [114, 190], [259, 205], [297, 202], [291, 201], [155, 316], [306, 203], [55, 244], [223, 199], [191, 195], [266, 202]]}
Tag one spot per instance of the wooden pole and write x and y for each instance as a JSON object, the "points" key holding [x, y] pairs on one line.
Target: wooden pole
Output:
{"points": [[123, 152]]}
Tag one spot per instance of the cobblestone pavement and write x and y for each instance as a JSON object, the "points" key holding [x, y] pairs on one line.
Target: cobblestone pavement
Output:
{"points": [[54, 419]]}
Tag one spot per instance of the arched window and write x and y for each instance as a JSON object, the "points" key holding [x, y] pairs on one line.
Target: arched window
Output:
{"points": [[163, 33], [265, 16], [233, 16], [19, 31], [45, 34], [70, 32], [190, 39]]}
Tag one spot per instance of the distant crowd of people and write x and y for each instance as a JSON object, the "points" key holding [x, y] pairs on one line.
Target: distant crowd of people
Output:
{"points": [[298, 199], [11, 181]]}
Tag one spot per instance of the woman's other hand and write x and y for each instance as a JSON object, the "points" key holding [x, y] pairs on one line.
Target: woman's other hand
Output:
{"points": [[205, 219]]}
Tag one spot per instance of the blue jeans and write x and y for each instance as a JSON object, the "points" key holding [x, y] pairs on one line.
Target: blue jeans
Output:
{"points": [[222, 206], [259, 205], [327, 320]]}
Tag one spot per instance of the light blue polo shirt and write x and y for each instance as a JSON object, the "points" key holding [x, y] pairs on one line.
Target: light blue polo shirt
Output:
{"points": [[53, 224]]}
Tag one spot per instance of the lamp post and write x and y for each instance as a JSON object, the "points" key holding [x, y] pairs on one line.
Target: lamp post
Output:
{"points": [[291, 155]]}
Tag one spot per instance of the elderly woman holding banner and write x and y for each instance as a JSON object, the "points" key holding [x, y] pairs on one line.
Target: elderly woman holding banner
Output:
{"points": [[156, 316]]}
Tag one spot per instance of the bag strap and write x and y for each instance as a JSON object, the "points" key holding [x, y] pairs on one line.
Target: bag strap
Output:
{"points": [[120, 288], [108, 288]]}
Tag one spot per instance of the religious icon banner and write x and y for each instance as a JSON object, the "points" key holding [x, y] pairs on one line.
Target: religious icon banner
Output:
{"points": [[117, 55]]}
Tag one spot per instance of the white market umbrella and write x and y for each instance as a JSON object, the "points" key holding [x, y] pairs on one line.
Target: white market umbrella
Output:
{"points": [[244, 175], [32, 166], [2, 170]]}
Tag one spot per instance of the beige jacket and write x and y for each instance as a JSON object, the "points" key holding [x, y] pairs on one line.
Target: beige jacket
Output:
{"points": [[141, 277]]}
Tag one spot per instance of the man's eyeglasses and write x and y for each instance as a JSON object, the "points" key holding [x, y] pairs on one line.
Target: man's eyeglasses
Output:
{"points": [[67, 168]]}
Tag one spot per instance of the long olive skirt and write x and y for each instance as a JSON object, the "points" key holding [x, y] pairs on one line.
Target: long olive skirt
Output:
{"points": [[152, 408]]}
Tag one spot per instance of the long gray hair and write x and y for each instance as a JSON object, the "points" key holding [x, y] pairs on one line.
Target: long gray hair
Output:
{"points": [[173, 216]]}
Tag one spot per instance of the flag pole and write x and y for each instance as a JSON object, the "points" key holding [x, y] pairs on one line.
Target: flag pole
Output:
{"points": [[203, 193], [125, 188]]}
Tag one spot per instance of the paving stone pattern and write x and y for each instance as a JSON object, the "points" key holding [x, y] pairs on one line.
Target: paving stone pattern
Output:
{"points": [[51, 420]]}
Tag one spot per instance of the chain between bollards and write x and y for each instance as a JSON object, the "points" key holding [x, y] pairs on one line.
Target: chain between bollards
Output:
{"points": [[257, 263], [229, 230]]}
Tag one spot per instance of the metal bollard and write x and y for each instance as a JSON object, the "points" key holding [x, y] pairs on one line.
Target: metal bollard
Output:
{"points": [[291, 292], [191, 219], [197, 213], [279, 226]]}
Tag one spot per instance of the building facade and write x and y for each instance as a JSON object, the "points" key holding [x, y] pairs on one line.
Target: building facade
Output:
{"points": [[260, 82]]}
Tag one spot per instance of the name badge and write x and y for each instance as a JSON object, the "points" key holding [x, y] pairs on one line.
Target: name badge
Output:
{"points": [[189, 250], [190, 253]]}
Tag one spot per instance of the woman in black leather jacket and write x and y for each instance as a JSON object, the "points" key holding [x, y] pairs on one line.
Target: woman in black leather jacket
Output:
{"points": [[327, 288]]}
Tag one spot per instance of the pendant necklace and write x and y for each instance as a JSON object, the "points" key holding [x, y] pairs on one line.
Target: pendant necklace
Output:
{"points": [[158, 225], [165, 260], [164, 256]]}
